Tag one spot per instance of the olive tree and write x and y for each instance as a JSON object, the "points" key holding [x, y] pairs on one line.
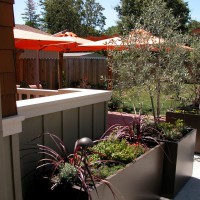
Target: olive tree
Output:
{"points": [[194, 69], [152, 55]]}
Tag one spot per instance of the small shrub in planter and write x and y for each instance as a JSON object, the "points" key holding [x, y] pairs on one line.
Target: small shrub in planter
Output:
{"points": [[191, 117], [140, 177], [91, 165], [115, 154], [179, 153], [166, 130]]}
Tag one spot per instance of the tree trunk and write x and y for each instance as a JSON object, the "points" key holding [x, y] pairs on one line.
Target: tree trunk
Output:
{"points": [[158, 98], [152, 104]]}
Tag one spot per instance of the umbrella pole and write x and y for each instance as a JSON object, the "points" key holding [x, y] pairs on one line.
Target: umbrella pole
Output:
{"points": [[37, 70], [110, 73], [60, 69]]}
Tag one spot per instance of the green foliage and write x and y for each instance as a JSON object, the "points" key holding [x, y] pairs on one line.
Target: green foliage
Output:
{"points": [[129, 11], [64, 80], [165, 130], [115, 102], [78, 16], [58, 15], [181, 11], [67, 172], [158, 65], [172, 131], [105, 171], [118, 150], [193, 64], [113, 30], [138, 98], [29, 16], [92, 17], [193, 24]]}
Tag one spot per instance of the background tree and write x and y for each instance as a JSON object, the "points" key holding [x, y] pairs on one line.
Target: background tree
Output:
{"points": [[194, 68], [93, 20], [29, 16], [152, 64], [58, 15], [131, 10], [113, 30], [83, 17], [193, 24]]}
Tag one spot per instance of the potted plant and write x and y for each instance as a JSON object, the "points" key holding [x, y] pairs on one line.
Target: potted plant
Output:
{"points": [[117, 165], [189, 110], [179, 153], [141, 177], [191, 118], [152, 56]]}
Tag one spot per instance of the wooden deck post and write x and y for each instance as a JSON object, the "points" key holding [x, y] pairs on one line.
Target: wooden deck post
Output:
{"points": [[10, 178], [7, 67]]}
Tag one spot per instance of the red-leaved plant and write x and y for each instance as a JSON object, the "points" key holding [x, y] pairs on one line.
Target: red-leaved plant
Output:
{"points": [[74, 169]]}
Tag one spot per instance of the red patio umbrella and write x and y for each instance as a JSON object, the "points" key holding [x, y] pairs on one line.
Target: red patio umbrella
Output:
{"points": [[36, 41], [65, 35]]}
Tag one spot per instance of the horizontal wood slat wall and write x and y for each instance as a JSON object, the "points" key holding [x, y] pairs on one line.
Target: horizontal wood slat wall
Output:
{"points": [[74, 70]]}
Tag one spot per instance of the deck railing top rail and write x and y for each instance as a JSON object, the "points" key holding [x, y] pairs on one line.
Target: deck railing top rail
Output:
{"points": [[63, 100]]}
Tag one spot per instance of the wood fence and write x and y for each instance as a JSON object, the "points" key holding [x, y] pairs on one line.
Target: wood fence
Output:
{"points": [[74, 69]]}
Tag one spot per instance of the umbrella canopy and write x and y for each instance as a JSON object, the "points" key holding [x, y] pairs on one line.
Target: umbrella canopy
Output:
{"points": [[65, 35], [105, 44], [138, 37], [36, 41]]}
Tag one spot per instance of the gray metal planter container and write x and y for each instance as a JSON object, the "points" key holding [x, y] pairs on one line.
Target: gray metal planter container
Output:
{"points": [[140, 180], [191, 120], [178, 164]]}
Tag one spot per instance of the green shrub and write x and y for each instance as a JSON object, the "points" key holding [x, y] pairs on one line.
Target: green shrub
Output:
{"points": [[171, 131], [67, 172], [116, 102], [107, 170], [118, 150], [166, 130]]}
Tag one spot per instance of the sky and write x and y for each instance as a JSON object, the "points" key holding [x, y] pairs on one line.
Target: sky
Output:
{"points": [[109, 12]]}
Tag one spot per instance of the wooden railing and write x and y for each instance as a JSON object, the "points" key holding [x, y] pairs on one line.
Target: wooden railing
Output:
{"points": [[81, 113], [29, 93]]}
